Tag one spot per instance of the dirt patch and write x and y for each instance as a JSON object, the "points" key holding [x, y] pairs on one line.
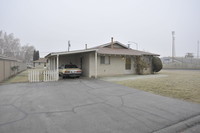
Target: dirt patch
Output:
{"points": [[23, 77], [182, 84], [19, 78]]}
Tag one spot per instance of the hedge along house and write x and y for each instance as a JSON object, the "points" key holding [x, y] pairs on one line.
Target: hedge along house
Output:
{"points": [[109, 59]]}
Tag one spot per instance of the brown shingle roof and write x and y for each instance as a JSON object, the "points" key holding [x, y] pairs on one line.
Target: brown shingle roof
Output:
{"points": [[107, 44], [104, 49], [123, 52], [41, 60]]}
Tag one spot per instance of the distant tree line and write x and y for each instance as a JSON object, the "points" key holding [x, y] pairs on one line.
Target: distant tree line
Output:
{"points": [[11, 47], [36, 55]]}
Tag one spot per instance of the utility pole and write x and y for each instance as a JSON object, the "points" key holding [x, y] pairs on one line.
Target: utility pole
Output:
{"points": [[173, 45], [197, 49], [69, 45]]}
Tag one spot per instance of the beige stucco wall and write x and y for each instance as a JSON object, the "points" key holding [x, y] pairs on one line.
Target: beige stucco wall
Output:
{"points": [[5, 68], [1, 70], [39, 65], [116, 67], [85, 65], [92, 64]]}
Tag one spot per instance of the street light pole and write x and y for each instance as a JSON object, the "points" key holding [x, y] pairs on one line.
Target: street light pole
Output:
{"points": [[134, 43]]}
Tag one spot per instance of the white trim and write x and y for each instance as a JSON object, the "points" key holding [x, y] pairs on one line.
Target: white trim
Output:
{"points": [[54, 63], [70, 52], [57, 66]]}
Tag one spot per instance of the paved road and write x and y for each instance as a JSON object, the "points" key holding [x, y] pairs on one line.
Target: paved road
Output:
{"points": [[194, 129], [90, 106]]}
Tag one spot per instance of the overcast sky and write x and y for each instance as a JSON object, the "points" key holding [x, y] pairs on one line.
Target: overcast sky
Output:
{"points": [[49, 24]]}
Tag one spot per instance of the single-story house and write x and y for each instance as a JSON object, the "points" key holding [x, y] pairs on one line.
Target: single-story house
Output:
{"points": [[41, 63], [109, 59]]}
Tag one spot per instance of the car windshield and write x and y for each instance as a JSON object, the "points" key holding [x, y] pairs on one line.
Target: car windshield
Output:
{"points": [[71, 66]]}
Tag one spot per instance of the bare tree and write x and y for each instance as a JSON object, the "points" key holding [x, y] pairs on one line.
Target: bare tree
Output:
{"points": [[1, 42], [10, 46], [28, 53]]}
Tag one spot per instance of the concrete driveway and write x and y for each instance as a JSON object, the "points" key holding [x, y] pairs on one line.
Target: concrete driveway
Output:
{"points": [[90, 106]]}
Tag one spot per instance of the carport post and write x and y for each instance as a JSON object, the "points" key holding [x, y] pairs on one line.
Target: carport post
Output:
{"points": [[54, 63], [57, 66], [95, 64]]}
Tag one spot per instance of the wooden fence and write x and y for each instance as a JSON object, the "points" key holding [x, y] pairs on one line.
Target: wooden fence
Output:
{"points": [[10, 67], [42, 75], [50, 75]]}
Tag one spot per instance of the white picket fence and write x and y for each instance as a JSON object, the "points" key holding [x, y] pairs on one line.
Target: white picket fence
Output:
{"points": [[50, 75], [42, 75]]}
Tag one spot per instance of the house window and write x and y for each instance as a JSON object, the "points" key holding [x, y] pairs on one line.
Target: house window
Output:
{"points": [[105, 59], [128, 64], [102, 59]]}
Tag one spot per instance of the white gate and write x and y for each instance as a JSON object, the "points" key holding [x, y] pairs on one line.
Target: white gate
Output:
{"points": [[33, 75], [50, 75], [42, 75]]}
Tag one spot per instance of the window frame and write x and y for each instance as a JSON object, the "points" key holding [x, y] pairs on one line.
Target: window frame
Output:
{"points": [[128, 63], [105, 60]]}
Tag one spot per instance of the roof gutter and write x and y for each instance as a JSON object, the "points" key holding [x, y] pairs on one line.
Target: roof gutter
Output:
{"points": [[70, 52]]}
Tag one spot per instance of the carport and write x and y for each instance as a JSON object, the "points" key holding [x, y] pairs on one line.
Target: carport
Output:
{"points": [[84, 59]]}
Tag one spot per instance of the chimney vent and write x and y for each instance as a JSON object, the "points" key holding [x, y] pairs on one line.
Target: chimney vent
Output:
{"points": [[85, 46], [111, 42]]}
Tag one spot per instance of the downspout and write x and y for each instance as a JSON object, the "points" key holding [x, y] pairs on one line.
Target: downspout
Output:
{"points": [[49, 61], [96, 64]]}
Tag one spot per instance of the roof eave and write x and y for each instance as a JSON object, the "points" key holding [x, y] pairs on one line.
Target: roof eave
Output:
{"points": [[70, 52]]}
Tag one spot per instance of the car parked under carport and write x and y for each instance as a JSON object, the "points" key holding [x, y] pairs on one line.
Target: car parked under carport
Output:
{"points": [[69, 70]]}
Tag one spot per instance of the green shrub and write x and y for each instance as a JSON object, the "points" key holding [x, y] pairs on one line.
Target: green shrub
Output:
{"points": [[156, 64], [140, 65], [13, 68]]}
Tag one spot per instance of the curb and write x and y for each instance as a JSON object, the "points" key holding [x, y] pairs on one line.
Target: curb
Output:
{"points": [[181, 126]]}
